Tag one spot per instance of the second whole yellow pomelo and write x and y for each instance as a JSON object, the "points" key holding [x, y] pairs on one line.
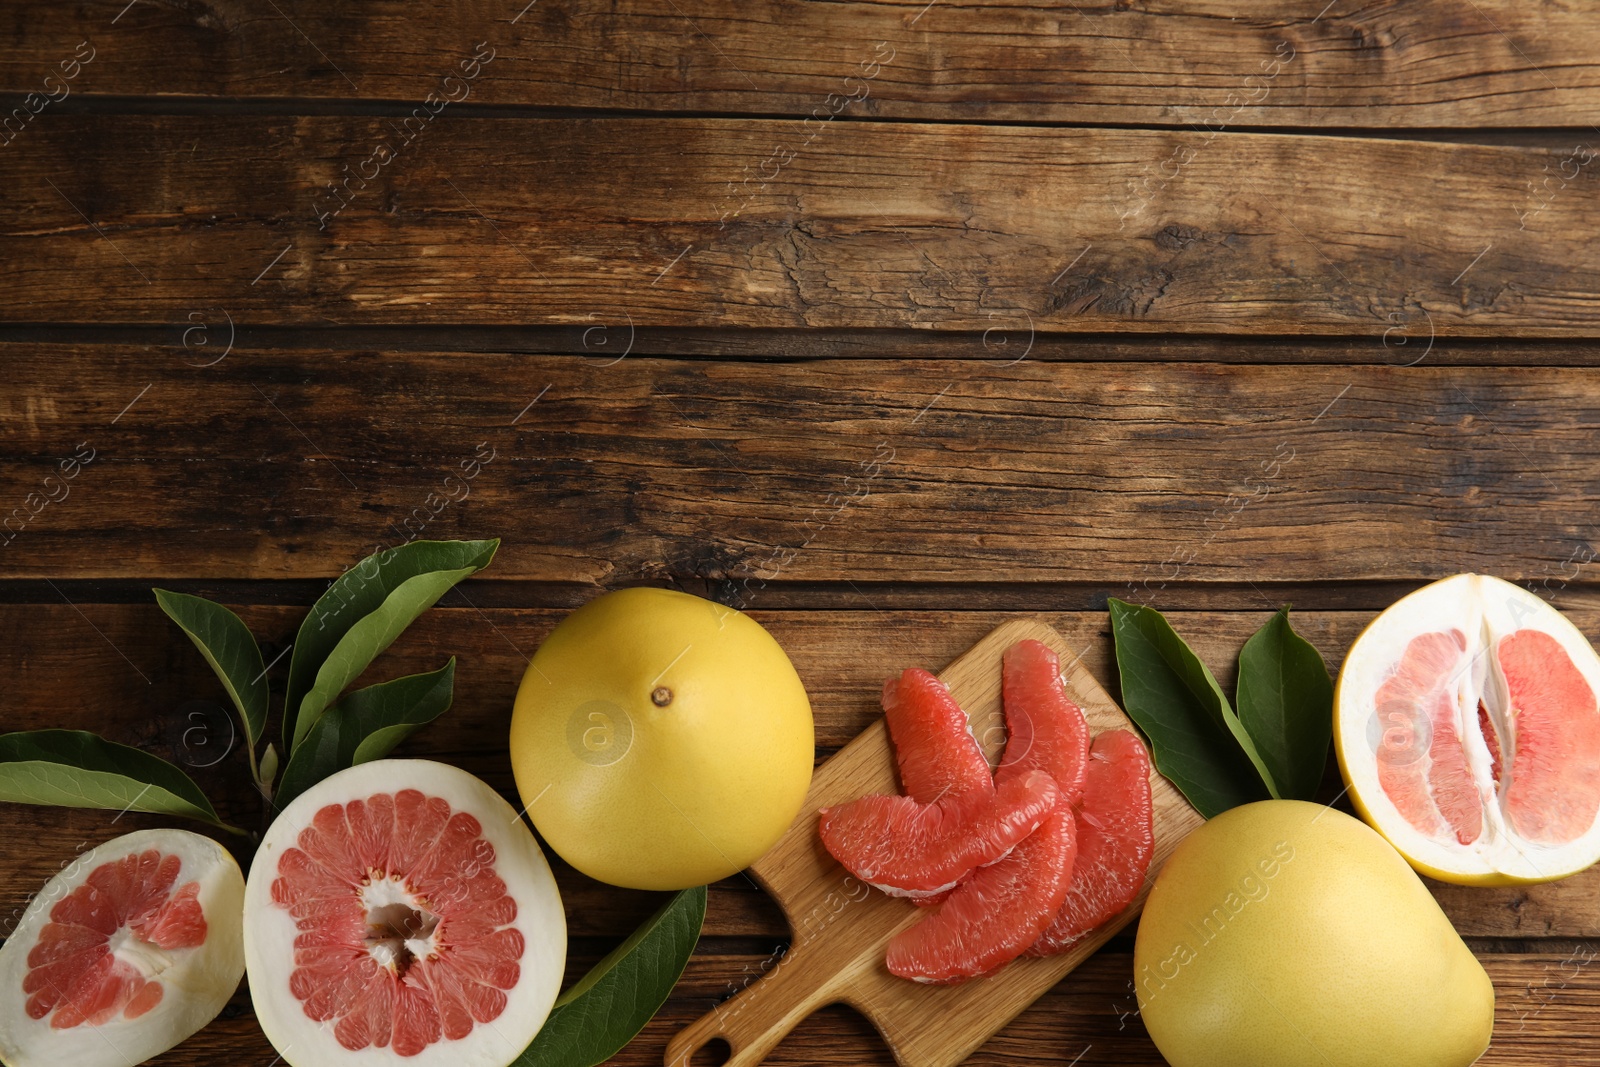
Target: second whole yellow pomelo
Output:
{"points": [[1283, 933], [660, 740]]}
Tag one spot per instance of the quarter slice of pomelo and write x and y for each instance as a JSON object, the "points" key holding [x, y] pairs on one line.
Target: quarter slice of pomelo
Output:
{"points": [[1468, 731], [402, 911], [133, 947], [1116, 838]]}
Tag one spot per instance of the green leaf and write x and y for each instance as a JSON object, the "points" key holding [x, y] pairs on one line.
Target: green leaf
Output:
{"points": [[77, 769], [594, 1019], [1286, 703], [1195, 738], [226, 643], [366, 725], [369, 587]]}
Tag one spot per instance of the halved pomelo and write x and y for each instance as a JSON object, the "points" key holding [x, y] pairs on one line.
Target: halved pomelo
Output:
{"points": [[401, 910], [1468, 731], [1116, 838], [992, 917], [133, 947]]}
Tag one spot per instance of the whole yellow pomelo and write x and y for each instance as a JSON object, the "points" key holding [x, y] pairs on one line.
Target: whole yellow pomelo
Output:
{"points": [[1284, 933], [661, 741]]}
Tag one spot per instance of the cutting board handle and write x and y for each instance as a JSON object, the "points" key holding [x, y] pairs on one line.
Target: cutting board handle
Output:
{"points": [[761, 1014]]}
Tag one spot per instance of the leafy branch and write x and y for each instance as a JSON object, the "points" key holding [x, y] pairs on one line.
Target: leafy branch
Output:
{"points": [[359, 616]]}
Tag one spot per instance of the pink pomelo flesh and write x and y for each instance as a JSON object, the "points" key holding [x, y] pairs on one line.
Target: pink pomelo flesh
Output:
{"points": [[1045, 730], [1554, 795], [1116, 838], [909, 849], [952, 818], [991, 918], [405, 928], [1001, 910], [77, 975], [933, 743], [1546, 728]]}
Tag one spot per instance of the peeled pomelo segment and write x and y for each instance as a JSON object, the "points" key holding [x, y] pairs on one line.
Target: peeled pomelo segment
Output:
{"points": [[1554, 794], [993, 917], [1045, 730], [133, 947], [933, 742], [1116, 838], [1468, 733], [909, 849], [400, 910], [1001, 910]]}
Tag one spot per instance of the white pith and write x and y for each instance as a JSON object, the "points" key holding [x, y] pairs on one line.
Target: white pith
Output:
{"points": [[1485, 610], [270, 931], [148, 959], [196, 982], [386, 900]]}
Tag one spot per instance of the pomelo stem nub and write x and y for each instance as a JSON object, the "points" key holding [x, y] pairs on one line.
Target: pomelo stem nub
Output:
{"points": [[661, 696]]}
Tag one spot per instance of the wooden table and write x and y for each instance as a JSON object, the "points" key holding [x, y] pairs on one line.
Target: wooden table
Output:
{"points": [[887, 321]]}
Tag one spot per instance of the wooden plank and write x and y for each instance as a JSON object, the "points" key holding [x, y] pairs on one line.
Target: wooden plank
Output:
{"points": [[751, 345], [1426, 63], [1544, 1013], [298, 464], [122, 669], [607, 225]]}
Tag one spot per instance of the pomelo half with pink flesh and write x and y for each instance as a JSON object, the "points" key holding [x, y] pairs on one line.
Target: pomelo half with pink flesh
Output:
{"points": [[401, 911], [1468, 730], [133, 947]]}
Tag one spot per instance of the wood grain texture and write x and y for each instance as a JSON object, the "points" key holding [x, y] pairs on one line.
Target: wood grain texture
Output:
{"points": [[841, 928], [1428, 63], [124, 670], [605, 225], [1544, 1012], [298, 464]]}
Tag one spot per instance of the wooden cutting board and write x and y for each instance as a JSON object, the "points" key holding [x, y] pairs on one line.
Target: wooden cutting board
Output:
{"points": [[840, 927]]}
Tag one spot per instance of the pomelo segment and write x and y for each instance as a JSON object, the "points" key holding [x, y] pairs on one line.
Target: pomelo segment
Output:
{"points": [[400, 910], [1116, 838], [909, 849], [1468, 731], [991, 919], [1044, 728], [933, 742], [952, 818], [132, 948]]}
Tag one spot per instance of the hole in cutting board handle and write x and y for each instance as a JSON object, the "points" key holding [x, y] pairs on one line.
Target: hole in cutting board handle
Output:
{"points": [[713, 1053]]}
